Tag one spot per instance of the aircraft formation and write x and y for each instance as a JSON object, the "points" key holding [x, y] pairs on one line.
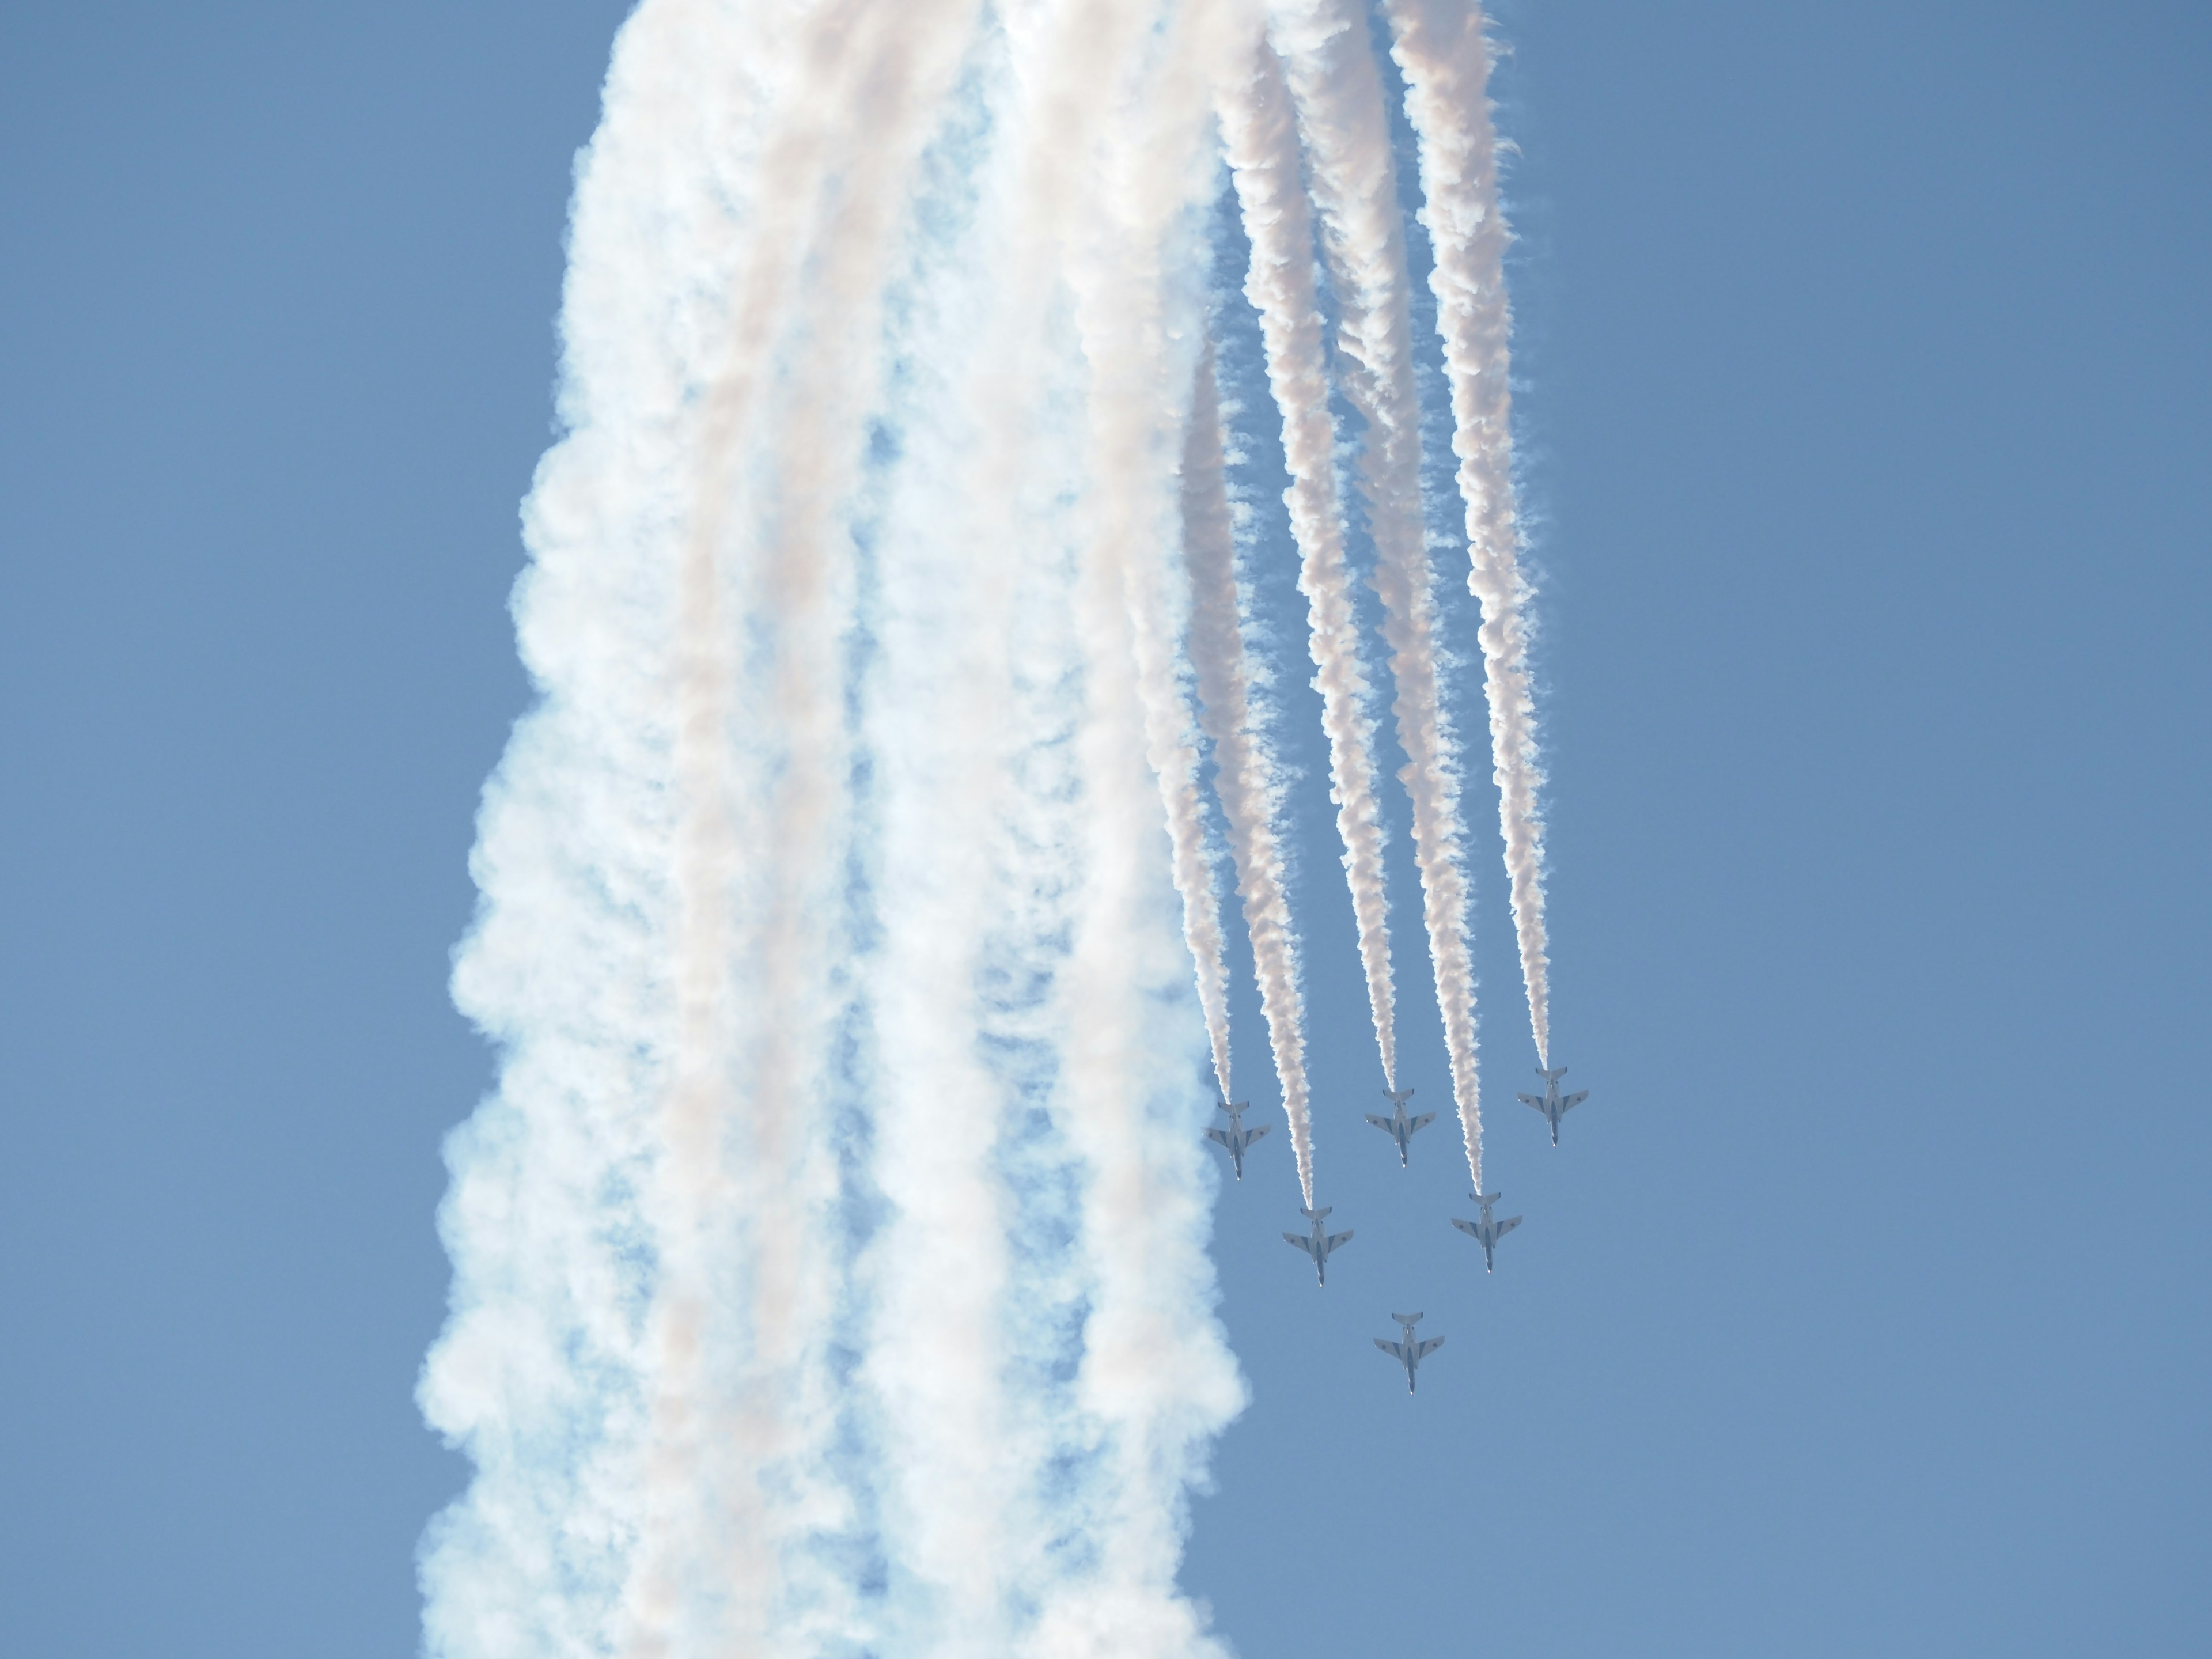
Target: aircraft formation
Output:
{"points": [[1486, 1229]]}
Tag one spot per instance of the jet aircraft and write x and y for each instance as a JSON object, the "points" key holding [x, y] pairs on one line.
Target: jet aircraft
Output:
{"points": [[1552, 1104], [1318, 1243], [1409, 1353], [1398, 1126], [1487, 1231], [1235, 1137]]}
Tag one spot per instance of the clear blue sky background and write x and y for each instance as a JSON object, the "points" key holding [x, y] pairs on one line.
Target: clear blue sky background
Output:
{"points": [[1865, 1307]]}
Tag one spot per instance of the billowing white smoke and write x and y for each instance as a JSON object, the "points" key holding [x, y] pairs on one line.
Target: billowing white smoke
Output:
{"points": [[1439, 46], [830, 1264], [1337, 91]]}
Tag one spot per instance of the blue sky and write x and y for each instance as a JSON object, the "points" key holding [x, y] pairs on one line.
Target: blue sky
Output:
{"points": [[1866, 1302]]}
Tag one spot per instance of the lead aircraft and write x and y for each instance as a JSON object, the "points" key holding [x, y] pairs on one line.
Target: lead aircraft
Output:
{"points": [[1235, 1137], [1551, 1102], [1487, 1231], [1409, 1353], [1318, 1243], [1398, 1126]]}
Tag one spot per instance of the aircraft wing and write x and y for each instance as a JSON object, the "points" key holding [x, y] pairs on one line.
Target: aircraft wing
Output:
{"points": [[1336, 1239], [1220, 1138], [1381, 1123], [1506, 1225], [1428, 1347], [1426, 1118], [1537, 1101], [1300, 1240], [1467, 1227], [1566, 1101], [1395, 1350], [1255, 1132]]}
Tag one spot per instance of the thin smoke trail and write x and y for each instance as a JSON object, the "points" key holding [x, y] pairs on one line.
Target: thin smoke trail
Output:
{"points": [[1439, 45], [1338, 93], [1262, 140], [1244, 779]]}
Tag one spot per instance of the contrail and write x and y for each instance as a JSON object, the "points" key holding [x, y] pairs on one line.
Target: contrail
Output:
{"points": [[1262, 140], [1245, 775], [1439, 45], [1338, 92]]}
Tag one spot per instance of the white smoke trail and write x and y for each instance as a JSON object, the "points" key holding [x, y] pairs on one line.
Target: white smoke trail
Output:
{"points": [[1258, 132], [1337, 91], [1439, 45], [1245, 775]]}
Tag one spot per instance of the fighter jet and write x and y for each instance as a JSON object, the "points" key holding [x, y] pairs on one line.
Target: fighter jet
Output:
{"points": [[1318, 1243], [1486, 1232], [1235, 1137], [1552, 1104], [1409, 1353], [1398, 1126]]}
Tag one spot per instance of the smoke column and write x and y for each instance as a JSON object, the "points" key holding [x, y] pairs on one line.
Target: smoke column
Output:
{"points": [[1258, 132], [1338, 92], [1439, 46], [1245, 773]]}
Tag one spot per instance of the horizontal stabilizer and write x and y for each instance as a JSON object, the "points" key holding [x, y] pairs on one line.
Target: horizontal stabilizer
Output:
{"points": [[1485, 1199], [1406, 1319], [1315, 1215]]}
